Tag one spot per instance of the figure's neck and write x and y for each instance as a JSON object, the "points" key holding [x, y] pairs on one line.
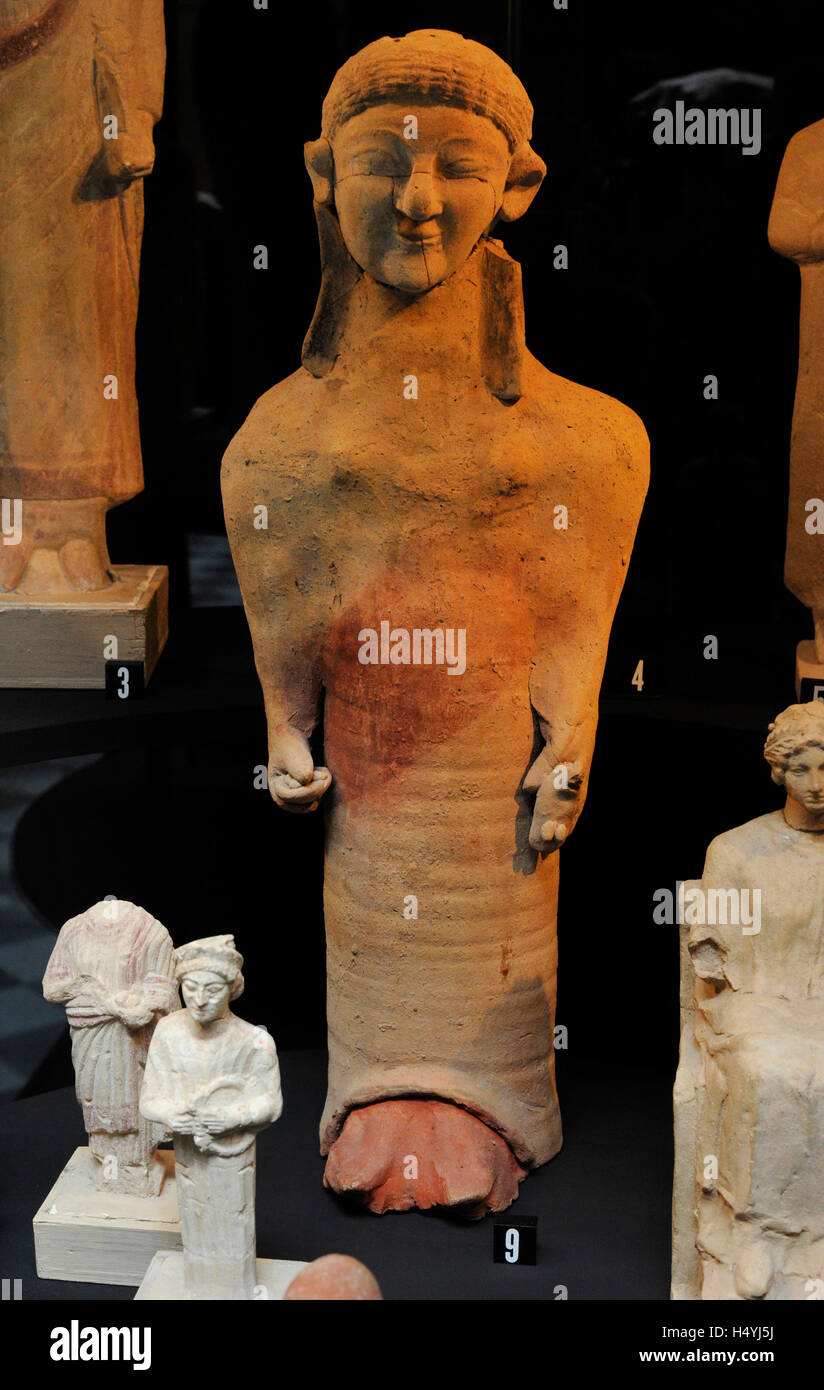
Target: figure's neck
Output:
{"points": [[799, 818], [437, 329], [469, 327], [211, 1029]]}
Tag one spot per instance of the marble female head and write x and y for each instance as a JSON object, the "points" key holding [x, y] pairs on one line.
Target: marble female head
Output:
{"points": [[795, 752]]}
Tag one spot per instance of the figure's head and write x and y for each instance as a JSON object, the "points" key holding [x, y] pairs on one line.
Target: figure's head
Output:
{"points": [[210, 976], [424, 146], [795, 752]]}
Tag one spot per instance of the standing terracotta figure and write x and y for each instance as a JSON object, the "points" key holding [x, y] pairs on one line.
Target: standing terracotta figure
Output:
{"points": [[796, 230], [748, 1211], [81, 85], [449, 526], [213, 1079], [113, 969]]}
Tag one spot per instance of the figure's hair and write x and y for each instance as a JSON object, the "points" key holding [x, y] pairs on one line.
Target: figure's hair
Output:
{"points": [[796, 727], [435, 67], [214, 953]]}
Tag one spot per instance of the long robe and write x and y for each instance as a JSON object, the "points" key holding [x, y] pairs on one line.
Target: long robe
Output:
{"points": [[94, 957], [70, 247], [219, 1066]]}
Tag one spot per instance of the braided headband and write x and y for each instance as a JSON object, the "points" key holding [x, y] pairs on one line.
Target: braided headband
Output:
{"points": [[433, 66]]}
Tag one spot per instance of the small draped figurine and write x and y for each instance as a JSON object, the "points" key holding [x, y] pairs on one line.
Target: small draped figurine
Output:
{"points": [[213, 1080], [113, 969]]}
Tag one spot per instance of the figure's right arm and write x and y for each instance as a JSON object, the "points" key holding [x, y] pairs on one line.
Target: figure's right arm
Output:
{"points": [[60, 982], [277, 565], [156, 1099], [711, 942]]}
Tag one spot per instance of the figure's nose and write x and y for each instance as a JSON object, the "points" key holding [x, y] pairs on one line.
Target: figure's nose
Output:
{"points": [[419, 198]]}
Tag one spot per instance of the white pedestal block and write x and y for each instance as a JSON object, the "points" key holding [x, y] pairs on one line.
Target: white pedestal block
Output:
{"points": [[164, 1278], [88, 1236]]}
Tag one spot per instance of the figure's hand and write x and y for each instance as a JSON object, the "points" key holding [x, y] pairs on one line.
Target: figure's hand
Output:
{"points": [[184, 1123], [294, 781], [131, 156], [559, 800], [211, 1123], [130, 1007]]}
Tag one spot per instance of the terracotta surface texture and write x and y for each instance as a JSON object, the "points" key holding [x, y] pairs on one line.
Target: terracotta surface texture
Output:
{"points": [[81, 84], [796, 230], [213, 1080], [113, 969], [748, 1216], [447, 531], [334, 1277]]}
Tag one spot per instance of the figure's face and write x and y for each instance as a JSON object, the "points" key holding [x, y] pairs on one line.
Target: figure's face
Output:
{"points": [[804, 779], [412, 209], [205, 995]]}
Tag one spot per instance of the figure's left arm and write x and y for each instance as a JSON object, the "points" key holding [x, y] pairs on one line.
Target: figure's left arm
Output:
{"points": [[573, 633], [265, 1105]]}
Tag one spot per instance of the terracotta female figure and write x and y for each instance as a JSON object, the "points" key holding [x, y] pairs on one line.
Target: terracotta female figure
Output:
{"points": [[213, 1079], [81, 85], [449, 526], [752, 1061], [113, 969]]}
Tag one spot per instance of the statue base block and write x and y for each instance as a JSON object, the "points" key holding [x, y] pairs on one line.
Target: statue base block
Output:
{"points": [[91, 1237], [809, 673], [164, 1277], [62, 643]]}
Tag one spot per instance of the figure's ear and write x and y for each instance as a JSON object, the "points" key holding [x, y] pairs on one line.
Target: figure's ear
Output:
{"points": [[777, 775], [526, 174], [321, 169]]}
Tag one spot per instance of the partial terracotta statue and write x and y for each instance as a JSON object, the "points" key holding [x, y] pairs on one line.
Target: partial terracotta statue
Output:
{"points": [[447, 531], [113, 969], [748, 1212], [81, 86], [796, 230], [213, 1080]]}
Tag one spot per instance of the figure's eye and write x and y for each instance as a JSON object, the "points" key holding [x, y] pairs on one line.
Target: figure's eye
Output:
{"points": [[379, 164], [460, 168]]}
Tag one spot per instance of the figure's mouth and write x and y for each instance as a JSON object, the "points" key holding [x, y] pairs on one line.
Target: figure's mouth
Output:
{"points": [[418, 233]]}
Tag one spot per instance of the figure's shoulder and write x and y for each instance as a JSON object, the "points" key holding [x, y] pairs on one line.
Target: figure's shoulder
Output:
{"points": [[748, 841], [170, 1025], [254, 1035], [805, 150], [604, 426], [277, 427]]}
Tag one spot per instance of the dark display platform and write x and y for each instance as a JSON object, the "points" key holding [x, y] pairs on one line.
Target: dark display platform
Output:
{"points": [[602, 1205]]}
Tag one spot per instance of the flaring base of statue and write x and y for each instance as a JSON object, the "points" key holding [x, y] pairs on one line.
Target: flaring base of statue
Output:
{"points": [[165, 1280], [90, 1236], [65, 641]]}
